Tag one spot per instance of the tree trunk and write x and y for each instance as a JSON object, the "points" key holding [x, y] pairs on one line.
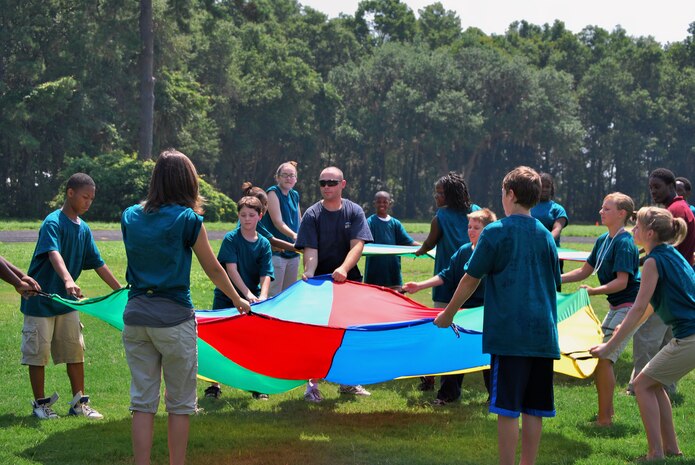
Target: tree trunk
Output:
{"points": [[146, 80]]}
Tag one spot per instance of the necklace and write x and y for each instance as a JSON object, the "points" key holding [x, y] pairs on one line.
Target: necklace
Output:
{"points": [[605, 248]]}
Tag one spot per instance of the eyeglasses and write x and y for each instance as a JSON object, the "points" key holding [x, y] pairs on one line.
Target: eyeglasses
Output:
{"points": [[288, 176], [329, 182]]}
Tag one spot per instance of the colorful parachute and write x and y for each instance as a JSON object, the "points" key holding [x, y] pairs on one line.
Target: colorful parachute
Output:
{"points": [[349, 333]]}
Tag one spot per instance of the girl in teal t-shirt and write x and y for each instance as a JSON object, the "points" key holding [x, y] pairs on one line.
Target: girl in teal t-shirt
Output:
{"points": [[668, 283], [615, 261]]}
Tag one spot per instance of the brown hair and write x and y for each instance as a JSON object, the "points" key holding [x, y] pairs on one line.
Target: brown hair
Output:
{"points": [[662, 222], [526, 184], [623, 202], [252, 202], [484, 215], [248, 189], [174, 181]]}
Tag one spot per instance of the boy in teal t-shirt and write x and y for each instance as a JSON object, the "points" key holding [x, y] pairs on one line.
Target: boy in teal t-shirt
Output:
{"points": [[65, 247], [518, 257], [385, 270], [247, 258]]}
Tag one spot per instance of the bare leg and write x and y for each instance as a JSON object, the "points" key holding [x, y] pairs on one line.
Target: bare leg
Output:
{"points": [[531, 427], [178, 438], [76, 375], [507, 438], [143, 431], [37, 375], [657, 416], [605, 386]]}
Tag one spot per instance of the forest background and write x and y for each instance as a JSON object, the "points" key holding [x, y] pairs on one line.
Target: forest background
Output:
{"points": [[393, 98]]}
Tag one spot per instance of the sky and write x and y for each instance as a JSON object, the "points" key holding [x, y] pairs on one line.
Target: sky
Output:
{"points": [[665, 20]]}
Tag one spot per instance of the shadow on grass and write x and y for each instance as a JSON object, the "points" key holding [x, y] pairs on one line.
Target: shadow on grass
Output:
{"points": [[306, 436]]}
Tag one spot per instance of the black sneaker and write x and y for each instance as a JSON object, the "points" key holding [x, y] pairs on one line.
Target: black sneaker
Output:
{"points": [[213, 391], [259, 396]]}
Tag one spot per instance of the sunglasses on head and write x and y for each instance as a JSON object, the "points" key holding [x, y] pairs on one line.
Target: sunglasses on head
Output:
{"points": [[329, 182]]}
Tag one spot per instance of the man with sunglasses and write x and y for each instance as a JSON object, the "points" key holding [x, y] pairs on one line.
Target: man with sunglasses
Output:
{"points": [[332, 233]]}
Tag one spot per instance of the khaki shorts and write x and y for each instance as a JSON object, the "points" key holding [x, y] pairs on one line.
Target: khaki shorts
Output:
{"points": [[614, 317], [675, 360], [60, 336], [153, 351]]}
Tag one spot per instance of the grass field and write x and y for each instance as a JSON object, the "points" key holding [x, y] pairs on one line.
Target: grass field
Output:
{"points": [[394, 426], [413, 227]]}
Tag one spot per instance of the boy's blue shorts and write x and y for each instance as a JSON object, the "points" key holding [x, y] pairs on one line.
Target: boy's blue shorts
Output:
{"points": [[521, 385]]}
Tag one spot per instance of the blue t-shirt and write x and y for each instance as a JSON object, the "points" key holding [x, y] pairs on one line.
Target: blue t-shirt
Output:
{"points": [[330, 232], [158, 246], [76, 245], [674, 296], [548, 213], [453, 274], [289, 209], [253, 261], [385, 270], [613, 256], [519, 258], [453, 225]]}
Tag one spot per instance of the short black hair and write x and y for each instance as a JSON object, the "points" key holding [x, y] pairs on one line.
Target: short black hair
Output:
{"points": [[79, 180], [686, 183], [665, 175]]}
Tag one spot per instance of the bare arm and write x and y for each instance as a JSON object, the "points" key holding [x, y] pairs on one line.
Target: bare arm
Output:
{"points": [[282, 245], [577, 275], [413, 287], [61, 270], [265, 287], [23, 284], [276, 216], [558, 225], [311, 261], [432, 238], [616, 285], [351, 259], [639, 312], [233, 273], [215, 272], [105, 274], [464, 290]]}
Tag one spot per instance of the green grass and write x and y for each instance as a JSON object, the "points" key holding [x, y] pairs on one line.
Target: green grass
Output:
{"points": [[394, 426], [413, 227]]}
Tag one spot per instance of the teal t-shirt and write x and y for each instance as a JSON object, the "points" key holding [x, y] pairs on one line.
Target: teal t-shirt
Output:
{"points": [[76, 245], [253, 260], [385, 270], [289, 209], [453, 274], [674, 297], [612, 256], [548, 213], [453, 225], [518, 257], [158, 246]]}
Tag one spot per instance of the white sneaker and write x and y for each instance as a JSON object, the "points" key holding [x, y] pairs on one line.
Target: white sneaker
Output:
{"points": [[42, 407], [354, 390], [79, 406]]}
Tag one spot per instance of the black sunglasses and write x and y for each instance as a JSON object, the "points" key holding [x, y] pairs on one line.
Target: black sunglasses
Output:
{"points": [[329, 182]]}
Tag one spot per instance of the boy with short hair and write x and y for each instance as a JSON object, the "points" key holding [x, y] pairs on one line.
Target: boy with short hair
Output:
{"points": [[64, 248], [385, 270], [517, 255], [246, 256]]}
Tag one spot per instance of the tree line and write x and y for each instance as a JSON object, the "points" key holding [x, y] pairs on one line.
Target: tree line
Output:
{"points": [[393, 98]]}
